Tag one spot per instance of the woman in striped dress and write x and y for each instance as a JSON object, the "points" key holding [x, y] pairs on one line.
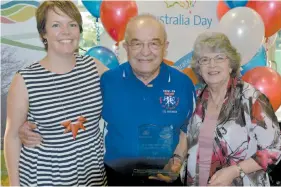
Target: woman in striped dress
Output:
{"points": [[61, 95]]}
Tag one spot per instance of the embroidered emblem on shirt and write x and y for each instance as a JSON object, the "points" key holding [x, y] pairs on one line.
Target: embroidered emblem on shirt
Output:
{"points": [[169, 101]]}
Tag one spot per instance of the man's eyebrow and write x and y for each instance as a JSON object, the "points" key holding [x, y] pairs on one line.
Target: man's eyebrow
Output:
{"points": [[156, 39], [153, 39], [134, 40]]}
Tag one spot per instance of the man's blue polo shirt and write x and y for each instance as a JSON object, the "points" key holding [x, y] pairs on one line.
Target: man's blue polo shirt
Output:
{"points": [[167, 101]]}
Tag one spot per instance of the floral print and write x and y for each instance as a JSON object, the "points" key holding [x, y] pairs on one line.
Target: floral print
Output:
{"points": [[246, 128]]}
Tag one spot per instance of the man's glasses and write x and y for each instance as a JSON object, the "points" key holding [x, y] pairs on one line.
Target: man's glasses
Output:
{"points": [[153, 45], [217, 59]]}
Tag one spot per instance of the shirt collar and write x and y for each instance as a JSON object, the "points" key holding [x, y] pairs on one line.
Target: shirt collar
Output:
{"points": [[164, 74]]}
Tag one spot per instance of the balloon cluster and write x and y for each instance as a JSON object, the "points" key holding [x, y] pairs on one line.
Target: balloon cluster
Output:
{"points": [[114, 16], [252, 28]]}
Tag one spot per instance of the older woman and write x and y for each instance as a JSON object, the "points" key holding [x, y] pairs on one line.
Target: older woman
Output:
{"points": [[233, 135]]}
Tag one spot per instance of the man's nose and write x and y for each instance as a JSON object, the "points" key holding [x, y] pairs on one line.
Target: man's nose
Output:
{"points": [[145, 50]]}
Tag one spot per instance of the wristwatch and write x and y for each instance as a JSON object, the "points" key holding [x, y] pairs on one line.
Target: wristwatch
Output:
{"points": [[241, 172], [178, 157]]}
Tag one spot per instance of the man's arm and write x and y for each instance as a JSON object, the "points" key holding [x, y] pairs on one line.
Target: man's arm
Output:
{"points": [[28, 137], [101, 68], [181, 148]]}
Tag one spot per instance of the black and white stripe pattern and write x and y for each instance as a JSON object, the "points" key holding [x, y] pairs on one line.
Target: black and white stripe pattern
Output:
{"points": [[54, 98]]}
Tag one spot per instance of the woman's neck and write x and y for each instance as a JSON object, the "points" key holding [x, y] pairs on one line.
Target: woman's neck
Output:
{"points": [[58, 64], [218, 91]]}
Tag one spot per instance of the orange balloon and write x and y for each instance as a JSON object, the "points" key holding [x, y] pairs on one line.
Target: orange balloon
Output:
{"points": [[268, 82], [168, 62], [251, 4], [270, 11], [191, 74], [115, 16], [222, 8]]}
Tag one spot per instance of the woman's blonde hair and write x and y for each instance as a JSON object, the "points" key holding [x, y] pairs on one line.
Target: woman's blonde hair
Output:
{"points": [[218, 43]]}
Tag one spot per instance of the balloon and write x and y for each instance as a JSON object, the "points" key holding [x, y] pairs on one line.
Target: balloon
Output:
{"points": [[108, 42], [93, 7], [245, 29], [115, 16], [191, 75], [222, 8], [258, 60], [235, 3], [268, 82], [104, 55], [270, 11]]}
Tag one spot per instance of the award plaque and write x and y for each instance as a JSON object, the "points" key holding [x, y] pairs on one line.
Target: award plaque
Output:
{"points": [[155, 147]]}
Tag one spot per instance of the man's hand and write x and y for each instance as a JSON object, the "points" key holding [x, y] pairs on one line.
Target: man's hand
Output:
{"points": [[173, 167], [224, 177], [27, 136]]}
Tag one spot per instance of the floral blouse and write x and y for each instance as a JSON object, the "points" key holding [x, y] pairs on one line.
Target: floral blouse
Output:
{"points": [[247, 127]]}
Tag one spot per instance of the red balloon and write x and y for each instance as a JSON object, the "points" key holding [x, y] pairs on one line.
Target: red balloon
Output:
{"points": [[270, 11], [268, 82], [115, 16], [222, 8]]}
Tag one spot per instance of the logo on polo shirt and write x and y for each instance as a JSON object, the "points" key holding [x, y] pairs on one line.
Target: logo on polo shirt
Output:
{"points": [[169, 101]]}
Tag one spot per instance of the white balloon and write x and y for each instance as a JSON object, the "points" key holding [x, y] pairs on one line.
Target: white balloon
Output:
{"points": [[106, 41], [245, 30]]}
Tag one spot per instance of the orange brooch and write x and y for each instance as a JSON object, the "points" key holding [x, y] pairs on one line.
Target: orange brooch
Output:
{"points": [[74, 127]]}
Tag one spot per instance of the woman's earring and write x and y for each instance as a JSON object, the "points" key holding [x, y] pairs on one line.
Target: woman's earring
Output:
{"points": [[45, 41]]}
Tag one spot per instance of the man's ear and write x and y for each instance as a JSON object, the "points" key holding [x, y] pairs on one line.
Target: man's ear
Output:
{"points": [[125, 45]]}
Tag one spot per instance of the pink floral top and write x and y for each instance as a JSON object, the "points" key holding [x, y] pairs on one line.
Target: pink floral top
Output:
{"points": [[247, 127]]}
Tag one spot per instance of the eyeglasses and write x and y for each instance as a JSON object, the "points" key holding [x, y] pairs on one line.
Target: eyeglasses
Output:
{"points": [[217, 59], [153, 45]]}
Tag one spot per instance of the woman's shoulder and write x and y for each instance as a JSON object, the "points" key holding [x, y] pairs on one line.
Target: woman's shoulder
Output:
{"points": [[34, 66], [249, 92]]}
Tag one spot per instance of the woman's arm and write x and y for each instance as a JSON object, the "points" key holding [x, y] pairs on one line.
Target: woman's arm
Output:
{"points": [[267, 133], [101, 68], [17, 108]]}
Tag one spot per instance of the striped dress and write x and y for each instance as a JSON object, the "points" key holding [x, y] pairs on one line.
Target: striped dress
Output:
{"points": [[53, 98]]}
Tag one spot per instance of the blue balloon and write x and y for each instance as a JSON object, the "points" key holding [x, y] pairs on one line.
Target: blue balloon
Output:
{"points": [[93, 7], [235, 3], [184, 61], [104, 55], [258, 60]]}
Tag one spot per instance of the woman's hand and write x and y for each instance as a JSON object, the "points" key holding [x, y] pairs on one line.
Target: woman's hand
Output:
{"points": [[224, 177]]}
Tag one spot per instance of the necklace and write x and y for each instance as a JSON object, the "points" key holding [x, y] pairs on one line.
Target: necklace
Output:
{"points": [[68, 124]]}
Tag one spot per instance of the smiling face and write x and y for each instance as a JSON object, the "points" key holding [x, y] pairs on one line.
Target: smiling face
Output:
{"points": [[62, 33], [214, 68], [145, 46]]}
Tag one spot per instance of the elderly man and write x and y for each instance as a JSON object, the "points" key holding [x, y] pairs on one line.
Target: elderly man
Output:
{"points": [[145, 105], [142, 97]]}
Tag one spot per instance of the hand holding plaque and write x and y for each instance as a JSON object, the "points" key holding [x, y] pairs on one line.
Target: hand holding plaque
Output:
{"points": [[171, 171]]}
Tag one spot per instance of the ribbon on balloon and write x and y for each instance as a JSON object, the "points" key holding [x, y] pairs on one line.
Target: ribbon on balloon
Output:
{"points": [[94, 8]]}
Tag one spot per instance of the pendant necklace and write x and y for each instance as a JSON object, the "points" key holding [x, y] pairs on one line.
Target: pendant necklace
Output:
{"points": [[68, 124]]}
